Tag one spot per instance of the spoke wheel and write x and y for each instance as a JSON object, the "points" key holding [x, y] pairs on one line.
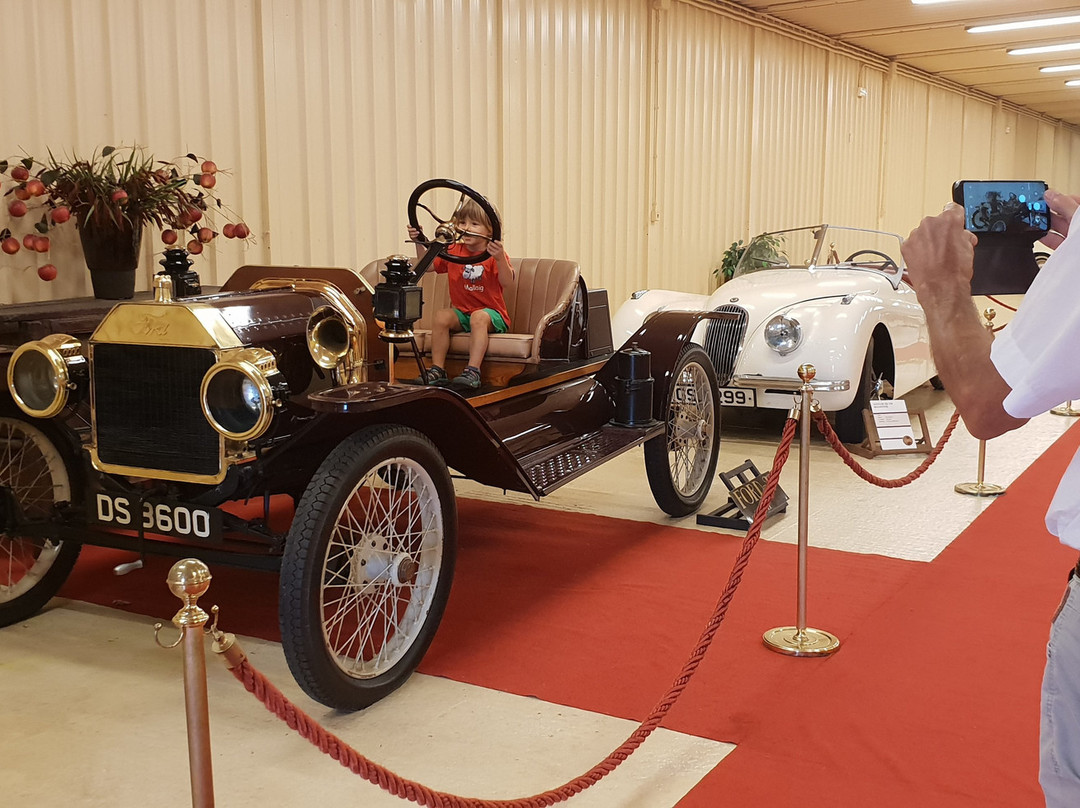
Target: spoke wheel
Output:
{"points": [[367, 567], [680, 464], [33, 478]]}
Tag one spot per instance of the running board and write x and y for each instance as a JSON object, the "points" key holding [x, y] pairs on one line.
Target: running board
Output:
{"points": [[557, 465]]}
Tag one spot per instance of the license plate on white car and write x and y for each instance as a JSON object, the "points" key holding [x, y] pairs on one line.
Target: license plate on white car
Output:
{"points": [[738, 397], [166, 517]]}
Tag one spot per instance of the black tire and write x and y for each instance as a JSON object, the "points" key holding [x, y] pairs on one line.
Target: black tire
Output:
{"points": [[848, 424], [680, 464], [34, 476], [937, 383], [367, 566]]}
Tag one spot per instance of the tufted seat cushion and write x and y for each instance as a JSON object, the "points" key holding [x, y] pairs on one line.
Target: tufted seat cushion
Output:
{"points": [[541, 291]]}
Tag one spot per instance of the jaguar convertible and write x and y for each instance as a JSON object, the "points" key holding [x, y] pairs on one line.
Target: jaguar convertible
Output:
{"points": [[834, 297]]}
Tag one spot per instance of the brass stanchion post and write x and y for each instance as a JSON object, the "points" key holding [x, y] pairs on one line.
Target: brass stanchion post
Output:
{"points": [[980, 488], [798, 640], [1065, 409], [188, 580]]}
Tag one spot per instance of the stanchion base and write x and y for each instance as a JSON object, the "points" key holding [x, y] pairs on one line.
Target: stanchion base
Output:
{"points": [[1065, 409], [980, 489], [807, 642]]}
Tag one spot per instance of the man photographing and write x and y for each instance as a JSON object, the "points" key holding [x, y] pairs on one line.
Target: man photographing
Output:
{"points": [[997, 385]]}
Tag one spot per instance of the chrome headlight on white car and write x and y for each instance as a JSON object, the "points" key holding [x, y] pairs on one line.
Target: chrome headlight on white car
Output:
{"points": [[783, 334]]}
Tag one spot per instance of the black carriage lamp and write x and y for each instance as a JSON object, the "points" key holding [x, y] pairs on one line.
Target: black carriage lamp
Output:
{"points": [[399, 301], [177, 267]]}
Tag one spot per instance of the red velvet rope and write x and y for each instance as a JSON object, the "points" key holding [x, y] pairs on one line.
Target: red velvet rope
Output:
{"points": [[1003, 305], [308, 728], [826, 429]]}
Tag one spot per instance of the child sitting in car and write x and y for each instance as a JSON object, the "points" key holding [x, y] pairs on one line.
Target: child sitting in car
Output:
{"points": [[476, 296]]}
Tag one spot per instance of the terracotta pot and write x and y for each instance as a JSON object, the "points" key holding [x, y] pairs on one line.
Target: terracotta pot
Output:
{"points": [[112, 256]]}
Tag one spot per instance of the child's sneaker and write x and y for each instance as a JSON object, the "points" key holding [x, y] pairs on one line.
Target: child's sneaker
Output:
{"points": [[433, 375], [468, 380]]}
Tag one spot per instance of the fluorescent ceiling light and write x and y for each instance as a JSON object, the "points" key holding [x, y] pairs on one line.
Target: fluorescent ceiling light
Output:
{"points": [[1073, 83], [929, 2], [1019, 24], [1059, 68], [1065, 46]]}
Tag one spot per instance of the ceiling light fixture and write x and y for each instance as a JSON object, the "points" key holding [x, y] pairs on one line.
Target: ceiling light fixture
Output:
{"points": [[1073, 83], [1065, 46], [1059, 68], [1020, 24], [929, 2]]}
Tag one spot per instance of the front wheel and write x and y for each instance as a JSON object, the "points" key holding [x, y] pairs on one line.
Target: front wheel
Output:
{"points": [[367, 567], [849, 425], [680, 463], [33, 479]]}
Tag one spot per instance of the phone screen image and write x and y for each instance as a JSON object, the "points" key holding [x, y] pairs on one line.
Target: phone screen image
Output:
{"points": [[1004, 207]]}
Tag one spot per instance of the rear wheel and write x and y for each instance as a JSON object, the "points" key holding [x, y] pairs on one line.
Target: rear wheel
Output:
{"points": [[680, 463], [33, 479], [367, 567]]}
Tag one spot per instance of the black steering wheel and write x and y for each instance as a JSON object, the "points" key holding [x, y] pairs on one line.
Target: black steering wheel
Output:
{"points": [[886, 261], [445, 231]]}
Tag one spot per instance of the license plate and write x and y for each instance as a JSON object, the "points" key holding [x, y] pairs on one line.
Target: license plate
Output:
{"points": [[166, 517], [738, 396]]}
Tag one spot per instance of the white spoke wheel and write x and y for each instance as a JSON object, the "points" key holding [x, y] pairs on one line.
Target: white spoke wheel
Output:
{"points": [[848, 423], [367, 566], [680, 464], [33, 479]]}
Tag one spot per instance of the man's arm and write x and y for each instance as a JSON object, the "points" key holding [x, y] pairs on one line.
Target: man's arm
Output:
{"points": [[939, 255]]}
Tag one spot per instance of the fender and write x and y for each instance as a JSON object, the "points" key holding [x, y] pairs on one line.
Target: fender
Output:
{"points": [[463, 437], [664, 335]]}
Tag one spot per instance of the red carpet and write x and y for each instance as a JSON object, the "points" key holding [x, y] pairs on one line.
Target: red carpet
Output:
{"points": [[932, 699]]}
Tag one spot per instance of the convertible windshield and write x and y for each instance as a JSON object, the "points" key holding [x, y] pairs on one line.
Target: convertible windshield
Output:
{"points": [[821, 247]]}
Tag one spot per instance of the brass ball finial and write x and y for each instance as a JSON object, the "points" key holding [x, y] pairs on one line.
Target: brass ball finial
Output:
{"points": [[188, 580], [807, 372], [989, 313]]}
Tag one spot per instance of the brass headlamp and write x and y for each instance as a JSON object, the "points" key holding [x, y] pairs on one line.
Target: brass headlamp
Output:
{"points": [[240, 391], [42, 374]]}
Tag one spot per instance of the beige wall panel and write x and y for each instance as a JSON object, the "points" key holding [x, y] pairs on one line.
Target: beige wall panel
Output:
{"points": [[788, 139], [1043, 168], [1003, 144], [127, 72], [977, 127], [904, 191], [704, 102], [944, 152], [852, 118], [575, 157]]}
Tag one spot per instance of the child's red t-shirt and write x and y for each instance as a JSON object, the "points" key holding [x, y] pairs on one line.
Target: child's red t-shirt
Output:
{"points": [[473, 286]]}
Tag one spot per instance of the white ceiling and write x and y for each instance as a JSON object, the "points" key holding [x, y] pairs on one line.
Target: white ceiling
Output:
{"points": [[933, 38]]}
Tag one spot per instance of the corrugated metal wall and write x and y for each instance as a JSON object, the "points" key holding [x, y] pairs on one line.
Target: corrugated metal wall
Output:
{"points": [[640, 138]]}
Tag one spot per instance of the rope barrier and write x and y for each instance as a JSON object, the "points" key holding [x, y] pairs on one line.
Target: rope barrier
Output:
{"points": [[993, 299], [826, 430], [276, 702]]}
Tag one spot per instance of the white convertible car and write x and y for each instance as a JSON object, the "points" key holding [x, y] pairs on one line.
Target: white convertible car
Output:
{"points": [[830, 296]]}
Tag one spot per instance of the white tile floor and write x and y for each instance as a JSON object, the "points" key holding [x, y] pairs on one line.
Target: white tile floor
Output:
{"points": [[92, 710]]}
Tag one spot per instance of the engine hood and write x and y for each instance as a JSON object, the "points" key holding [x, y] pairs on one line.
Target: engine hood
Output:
{"points": [[231, 320], [763, 294]]}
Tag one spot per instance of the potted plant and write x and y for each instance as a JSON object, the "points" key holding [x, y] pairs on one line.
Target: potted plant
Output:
{"points": [[763, 249], [112, 196]]}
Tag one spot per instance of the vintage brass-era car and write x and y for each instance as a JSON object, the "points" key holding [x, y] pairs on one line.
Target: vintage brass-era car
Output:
{"points": [[284, 383]]}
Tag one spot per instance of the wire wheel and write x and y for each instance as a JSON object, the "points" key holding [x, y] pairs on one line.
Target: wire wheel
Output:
{"points": [[368, 566], [33, 479], [680, 464]]}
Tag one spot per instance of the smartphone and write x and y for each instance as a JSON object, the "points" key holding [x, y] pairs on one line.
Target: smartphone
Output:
{"points": [[997, 206]]}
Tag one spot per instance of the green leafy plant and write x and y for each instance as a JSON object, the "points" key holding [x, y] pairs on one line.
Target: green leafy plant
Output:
{"points": [[762, 251], [123, 189]]}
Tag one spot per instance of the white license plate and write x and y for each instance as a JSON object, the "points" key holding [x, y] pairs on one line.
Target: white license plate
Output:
{"points": [[738, 397], [169, 518]]}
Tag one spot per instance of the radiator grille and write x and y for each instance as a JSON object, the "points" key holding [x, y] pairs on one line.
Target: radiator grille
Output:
{"points": [[723, 341], [146, 408]]}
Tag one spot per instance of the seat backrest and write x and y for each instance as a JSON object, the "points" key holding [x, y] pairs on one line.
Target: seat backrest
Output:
{"points": [[540, 285]]}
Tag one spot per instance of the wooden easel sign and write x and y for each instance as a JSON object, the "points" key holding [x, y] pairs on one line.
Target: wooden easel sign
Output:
{"points": [[889, 430]]}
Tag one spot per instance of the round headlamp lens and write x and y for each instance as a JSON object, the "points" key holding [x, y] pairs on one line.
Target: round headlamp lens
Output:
{"points": [[783, 334], [35, 381], [235, 403]]}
